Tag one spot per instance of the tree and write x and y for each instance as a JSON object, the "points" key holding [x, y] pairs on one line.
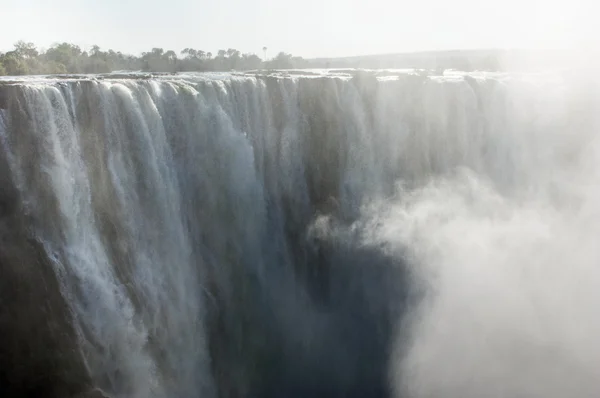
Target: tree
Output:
{"points": [[251, 61], [54, 68], [159, 61], [25, 50], [234, 58], [14, 65], [232, 52], [189, 53], [281, 61], [171, 59], [170, 55], [65, 57], [64, 53], [95, 51]]}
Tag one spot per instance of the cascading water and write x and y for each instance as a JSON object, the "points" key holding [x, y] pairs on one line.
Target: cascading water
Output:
{"points": [[310, 236]]}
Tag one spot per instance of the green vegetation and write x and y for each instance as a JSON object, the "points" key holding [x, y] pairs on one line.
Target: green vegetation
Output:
{"points": [[64, 58]]}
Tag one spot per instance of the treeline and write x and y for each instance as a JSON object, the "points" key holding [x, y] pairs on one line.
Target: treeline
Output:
{"points": [[66, 58]]}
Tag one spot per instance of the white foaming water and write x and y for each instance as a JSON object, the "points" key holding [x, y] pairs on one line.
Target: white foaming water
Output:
{"points": [[160, 200]]}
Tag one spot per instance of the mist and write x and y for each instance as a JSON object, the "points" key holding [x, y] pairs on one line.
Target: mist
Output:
{"points": [[365, 200], [505, 260]]}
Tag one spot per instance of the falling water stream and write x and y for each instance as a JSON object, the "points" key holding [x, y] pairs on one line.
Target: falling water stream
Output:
{"points": [[321, 235]]}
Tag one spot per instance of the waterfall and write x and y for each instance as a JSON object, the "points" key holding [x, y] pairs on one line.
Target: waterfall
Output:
{"points": [[324, 235]]}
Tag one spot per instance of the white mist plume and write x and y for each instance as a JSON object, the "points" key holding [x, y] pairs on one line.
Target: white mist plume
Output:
{"points": [[509, 277], [510, 290]]}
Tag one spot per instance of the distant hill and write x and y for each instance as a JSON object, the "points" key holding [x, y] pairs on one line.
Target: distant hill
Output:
{"points": [[465, 60]]}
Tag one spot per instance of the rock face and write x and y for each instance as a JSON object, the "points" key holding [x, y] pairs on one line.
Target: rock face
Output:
{"points": [[3, 98], [38, 351], [94, 393], [237, 311]]}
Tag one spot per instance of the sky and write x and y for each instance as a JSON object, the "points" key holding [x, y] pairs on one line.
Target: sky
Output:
{"points": [[308, 28]]}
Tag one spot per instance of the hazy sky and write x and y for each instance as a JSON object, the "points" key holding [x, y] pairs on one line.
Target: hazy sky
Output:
{"points": [[309, 28]]}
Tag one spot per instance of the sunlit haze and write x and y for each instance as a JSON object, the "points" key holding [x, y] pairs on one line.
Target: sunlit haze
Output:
{"points": [[309, 28], [401, 201]]}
